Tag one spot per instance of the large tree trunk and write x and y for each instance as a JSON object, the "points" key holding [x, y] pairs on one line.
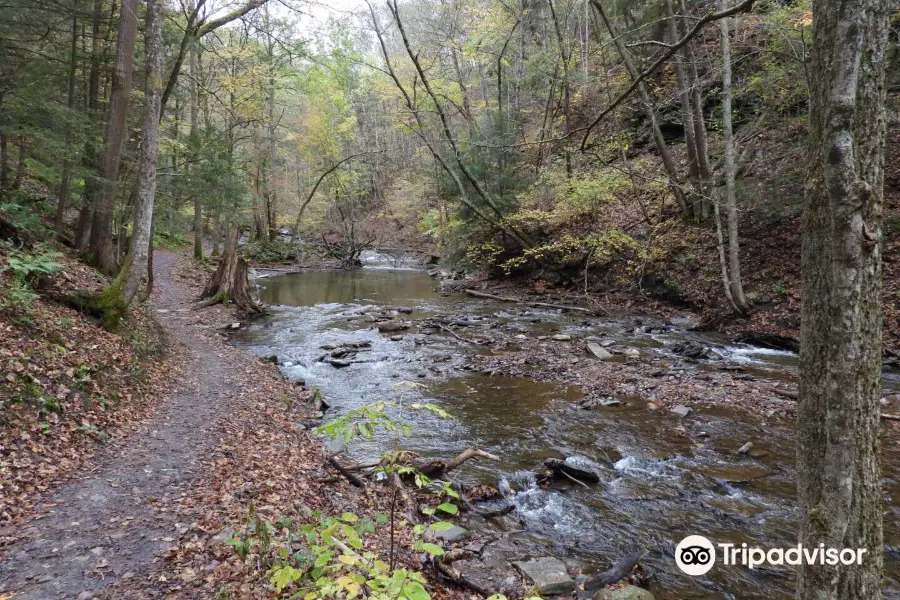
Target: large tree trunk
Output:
{"points": [[838, 450], [89, 157], [734, 282], [62, 201], [195, 131], [230, 283], [136, 263], [116, 129]]}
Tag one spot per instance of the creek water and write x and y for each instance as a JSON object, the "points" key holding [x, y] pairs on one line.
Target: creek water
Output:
{"points": [[661, 479]]}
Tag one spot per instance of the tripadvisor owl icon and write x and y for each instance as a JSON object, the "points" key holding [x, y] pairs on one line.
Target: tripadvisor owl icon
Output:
{"points": [[695, 555]]}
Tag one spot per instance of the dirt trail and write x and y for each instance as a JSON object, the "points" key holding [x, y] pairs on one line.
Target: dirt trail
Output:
{"points": [[109, 526]]}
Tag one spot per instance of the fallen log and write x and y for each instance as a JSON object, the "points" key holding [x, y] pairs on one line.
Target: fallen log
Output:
{"points": [[478, 294], [454, 334], [616, 573]]}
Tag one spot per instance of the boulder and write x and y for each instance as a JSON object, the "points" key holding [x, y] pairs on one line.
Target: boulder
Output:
{"points": [[695, 350], [336, 446], [632, 352], [547, 574], [390, 326], [625, 592], [454, 534], [745, 449], [682, 411], [598, 351], [685, 322]]}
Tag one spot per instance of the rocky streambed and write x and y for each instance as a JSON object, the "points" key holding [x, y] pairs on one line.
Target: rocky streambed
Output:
{"points": [[668, 432]]}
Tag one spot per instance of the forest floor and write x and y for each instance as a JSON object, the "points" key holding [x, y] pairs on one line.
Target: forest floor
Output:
{"points": [[148, 515]]}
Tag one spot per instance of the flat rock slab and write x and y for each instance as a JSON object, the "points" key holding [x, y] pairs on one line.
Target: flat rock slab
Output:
{"points": [[548, 575], [598, 351], [626, 592], [454, 534], [682, 411]]}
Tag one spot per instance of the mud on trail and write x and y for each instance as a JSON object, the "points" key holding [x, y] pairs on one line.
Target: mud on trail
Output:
{"points": [[105, 534]]}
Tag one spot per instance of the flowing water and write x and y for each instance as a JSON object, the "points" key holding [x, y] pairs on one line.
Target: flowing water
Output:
{"points": [[662, 479]]}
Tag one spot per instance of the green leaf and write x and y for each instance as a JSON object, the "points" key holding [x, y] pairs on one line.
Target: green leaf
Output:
{"points": [[284, 576], [432, 549], [448, 508], [441, 526], [349, 517], [414, 591]]}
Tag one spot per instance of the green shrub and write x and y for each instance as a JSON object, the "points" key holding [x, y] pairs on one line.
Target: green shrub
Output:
{"points": [[274, 251], [22, 271]]}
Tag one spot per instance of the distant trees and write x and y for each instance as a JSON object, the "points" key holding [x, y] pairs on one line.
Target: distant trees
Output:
{"points": [[462, 116]]}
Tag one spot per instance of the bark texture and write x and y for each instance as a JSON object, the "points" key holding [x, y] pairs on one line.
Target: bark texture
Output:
{"points": [[839, 470], [101, 233], [734, 281], [146, 192], [230, 283]]}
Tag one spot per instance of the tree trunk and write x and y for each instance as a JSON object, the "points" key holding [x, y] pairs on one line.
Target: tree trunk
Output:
{"points": [[195, 131], [734, 282], [684, 94], [230, 283], [564, 57], [136, 263], [89, 157], [101, 240], [661, 146], [272, 171], [62, 200], [838, 449], [22, 142], [4, 161]]}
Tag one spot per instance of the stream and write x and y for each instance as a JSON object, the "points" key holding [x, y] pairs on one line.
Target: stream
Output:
{"points": [[662, 477]]}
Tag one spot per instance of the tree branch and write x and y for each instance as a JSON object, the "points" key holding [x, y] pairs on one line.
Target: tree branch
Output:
{"points": [[744, 6]]}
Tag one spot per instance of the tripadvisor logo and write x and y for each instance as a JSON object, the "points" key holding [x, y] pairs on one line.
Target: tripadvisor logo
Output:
{"points": [[695, 555]]}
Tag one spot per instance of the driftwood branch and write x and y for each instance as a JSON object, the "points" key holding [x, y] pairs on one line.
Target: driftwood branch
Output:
{"points": [[454, 334], [478, 294]]}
